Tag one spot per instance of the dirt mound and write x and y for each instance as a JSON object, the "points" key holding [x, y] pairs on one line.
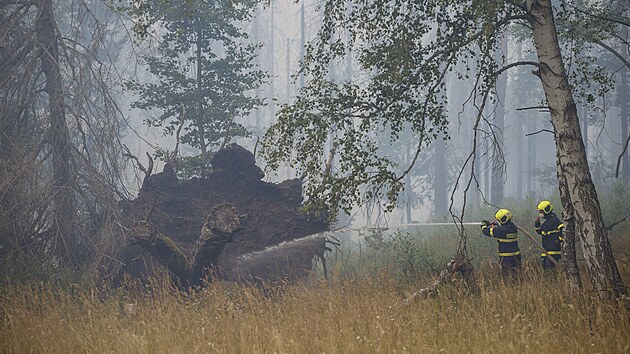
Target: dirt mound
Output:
{"points": [[269, 214]]}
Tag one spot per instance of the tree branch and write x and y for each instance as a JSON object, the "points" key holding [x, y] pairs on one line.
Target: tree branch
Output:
{"points": [[615, 223], [534, 107], [614, 52], [623, 151], [540, 131], [515, 64], [621, 22]]}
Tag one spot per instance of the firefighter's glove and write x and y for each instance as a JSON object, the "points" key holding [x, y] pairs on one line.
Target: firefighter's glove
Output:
{"points": [[485, 223]]}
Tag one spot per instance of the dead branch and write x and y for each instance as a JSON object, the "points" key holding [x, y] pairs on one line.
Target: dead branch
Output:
{"points": [[623, 151], [128, 154], [172, 158], [540, 131], [147, 171], [534, 107], [615, 223]]}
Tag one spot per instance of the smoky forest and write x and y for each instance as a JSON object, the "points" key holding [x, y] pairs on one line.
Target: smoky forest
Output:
{"points": [[322, 176]]}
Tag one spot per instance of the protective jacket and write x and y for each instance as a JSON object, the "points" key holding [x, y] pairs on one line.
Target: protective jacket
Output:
{"points": [[551, 232], [505, 235]]}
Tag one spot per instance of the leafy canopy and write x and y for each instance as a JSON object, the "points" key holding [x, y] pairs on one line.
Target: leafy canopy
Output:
{"points": [[404, 50]]}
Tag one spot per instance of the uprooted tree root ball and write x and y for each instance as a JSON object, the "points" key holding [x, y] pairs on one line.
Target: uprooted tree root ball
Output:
{"points": [[215, 223]]}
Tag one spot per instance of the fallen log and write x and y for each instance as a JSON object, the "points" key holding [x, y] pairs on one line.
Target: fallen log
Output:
{"points": [[454, 266], [221, 222]]}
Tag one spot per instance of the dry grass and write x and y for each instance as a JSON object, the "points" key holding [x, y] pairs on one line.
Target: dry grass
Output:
{"points": [[360, 316]]}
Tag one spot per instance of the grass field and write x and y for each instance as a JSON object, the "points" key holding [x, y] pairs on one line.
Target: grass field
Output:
{"points": [[362, 315]]}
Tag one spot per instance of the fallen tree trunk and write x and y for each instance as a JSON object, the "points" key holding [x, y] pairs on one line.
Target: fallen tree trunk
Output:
{"points": [[454, 266], [216, 232]]}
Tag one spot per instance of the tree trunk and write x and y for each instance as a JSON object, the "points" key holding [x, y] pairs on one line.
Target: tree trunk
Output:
{"points": [[200, 98], [486, 166], [568, 248], [622, 93], [519, 141], [531, 157], [272, 63], [571, 155], [440, 198], [496, 192], [585, 130], [221, 222], [408, 186], [475, 198], [622, 101], [63, 172], [302, 42]]}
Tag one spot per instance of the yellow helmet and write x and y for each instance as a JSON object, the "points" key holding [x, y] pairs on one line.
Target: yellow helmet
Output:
{"points": [[503, 215], [545, 206]]}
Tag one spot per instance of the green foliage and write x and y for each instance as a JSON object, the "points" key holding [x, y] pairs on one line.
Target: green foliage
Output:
{"points": [[187, 167], [581, 28], [402, 255], [342, 135], [204, 70], [404, 50], [411, 255]]}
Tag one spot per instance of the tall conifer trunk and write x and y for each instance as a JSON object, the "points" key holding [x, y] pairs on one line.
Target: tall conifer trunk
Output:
{"points": [[571, 154], [498, 180], [440, 197], [200, 98], [63, 171]]}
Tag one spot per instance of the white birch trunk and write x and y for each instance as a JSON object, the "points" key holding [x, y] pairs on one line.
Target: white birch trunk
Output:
{"points": [[571, 154]]}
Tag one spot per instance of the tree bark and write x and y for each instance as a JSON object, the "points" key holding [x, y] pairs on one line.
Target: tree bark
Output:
{"points": [[497, 179], [440, 197], [221, 222], [622, 101], [63, 172], [569, 253], [216, 232], [200, 96], [531, 157], [571, 154]]}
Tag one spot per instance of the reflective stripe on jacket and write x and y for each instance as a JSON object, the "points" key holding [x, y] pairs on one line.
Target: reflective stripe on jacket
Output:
{"points": [[505, 235], [551, 231]]}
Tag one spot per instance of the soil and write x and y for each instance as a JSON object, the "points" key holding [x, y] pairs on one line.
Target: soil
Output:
{"points": [[270, 215]]}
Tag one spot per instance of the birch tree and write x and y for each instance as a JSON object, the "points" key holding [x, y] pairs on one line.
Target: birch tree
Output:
{"points": [[408, 48], [571, 154]]}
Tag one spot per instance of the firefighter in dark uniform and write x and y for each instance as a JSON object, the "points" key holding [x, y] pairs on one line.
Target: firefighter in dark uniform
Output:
{"points": [[505, 233], [550, 228]]}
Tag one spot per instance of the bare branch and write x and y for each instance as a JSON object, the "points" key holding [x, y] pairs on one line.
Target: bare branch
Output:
{"points": [[540, 131], [534, 107], [623, 151], [614, 52], [615, 223], [182, 118]]}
